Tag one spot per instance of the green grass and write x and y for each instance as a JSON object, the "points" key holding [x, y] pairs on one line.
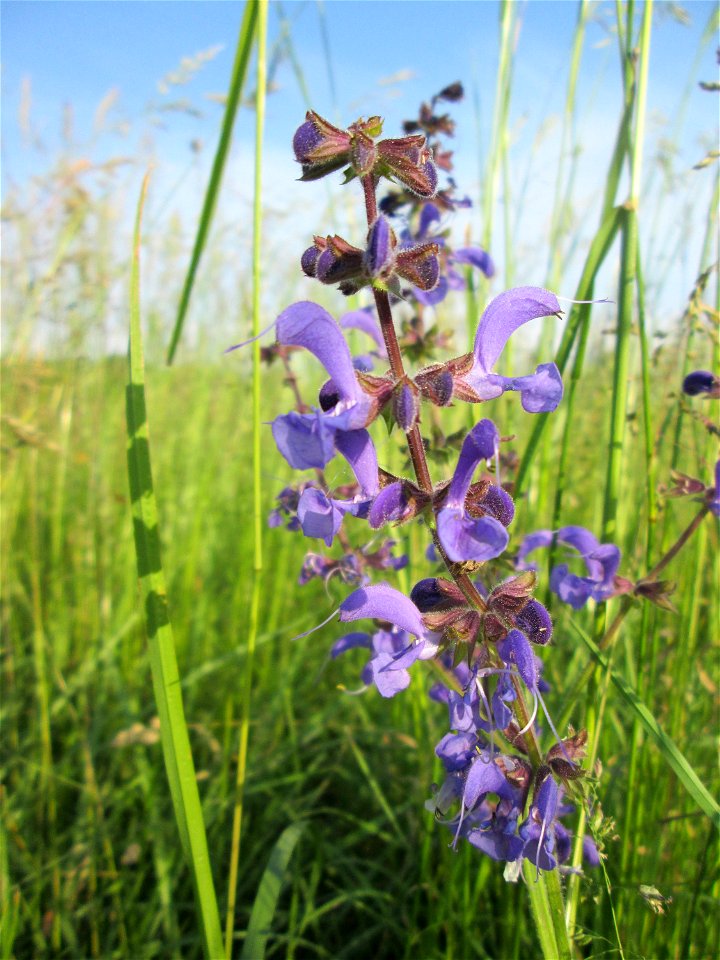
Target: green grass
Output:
{"points": [[91, 862]]}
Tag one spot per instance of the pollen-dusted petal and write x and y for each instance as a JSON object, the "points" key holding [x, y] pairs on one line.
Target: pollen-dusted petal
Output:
{"points": [[419, 265], [504, 315], [306, 324], [383, 602]]}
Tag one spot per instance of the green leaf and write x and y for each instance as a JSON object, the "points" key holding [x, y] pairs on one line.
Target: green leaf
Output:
{"points": [[675, 759], [242, 57], [268, 892], [163, 661]]}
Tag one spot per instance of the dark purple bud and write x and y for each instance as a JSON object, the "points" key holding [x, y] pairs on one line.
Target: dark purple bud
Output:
{"points": [[309, 259], [419, 265], [320, 147], [435, 593], [406, 405], [451, 93], [535, 622], [408, 160], [397, 502], [379, 255], [339, 261], [563, 757], [485, 499], [436, 384], [702, 382]]}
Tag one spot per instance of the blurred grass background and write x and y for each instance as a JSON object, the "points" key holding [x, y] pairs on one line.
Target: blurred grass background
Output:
{"points": [[90, 860]]}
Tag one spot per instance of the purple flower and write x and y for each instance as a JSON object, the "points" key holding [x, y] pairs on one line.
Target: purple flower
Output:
{"points": [[601, 562], [322, 516], [714, 495], [364, 319], [382, 602], [540, 392], [309, 439], [702, 383], [538, 830], [450, 279], [463, 536]]}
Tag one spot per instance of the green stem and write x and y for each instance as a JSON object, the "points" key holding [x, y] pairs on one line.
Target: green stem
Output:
{"points": [[241, 777]]}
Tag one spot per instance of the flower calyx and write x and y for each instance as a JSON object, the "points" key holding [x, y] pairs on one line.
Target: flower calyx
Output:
{"points": [[321, 148]]}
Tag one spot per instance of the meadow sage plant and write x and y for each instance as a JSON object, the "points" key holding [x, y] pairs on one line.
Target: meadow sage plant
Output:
{"points": [[502, 793]]}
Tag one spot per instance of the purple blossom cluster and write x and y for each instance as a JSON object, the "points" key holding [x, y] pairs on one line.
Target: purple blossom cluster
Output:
{"points": [[482, 633]]}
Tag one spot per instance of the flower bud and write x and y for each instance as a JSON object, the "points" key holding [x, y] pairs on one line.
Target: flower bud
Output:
{"points": [[419, 265], [380, 253], [320, 147], [436, 384], [339, 261], [406, 405]]}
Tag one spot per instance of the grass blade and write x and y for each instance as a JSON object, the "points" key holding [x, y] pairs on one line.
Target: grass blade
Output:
{"points": [[166, 681], [242, 57], [268, 892], [675, 759]]}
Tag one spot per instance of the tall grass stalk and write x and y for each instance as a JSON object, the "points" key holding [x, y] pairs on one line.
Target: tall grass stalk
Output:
{"points": [[166, 680], [242, 58], [252, 632]]}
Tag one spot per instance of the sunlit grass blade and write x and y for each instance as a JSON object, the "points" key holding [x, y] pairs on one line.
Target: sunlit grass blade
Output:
{"points": [[242, 58], [252, 629], [580, 313], [166, 680], [268, 892], [674, 757]]}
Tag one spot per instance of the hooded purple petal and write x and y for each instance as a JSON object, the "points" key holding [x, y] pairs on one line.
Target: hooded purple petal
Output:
{"points": [[456, 750], [484, 777], [480, 444], [307, 324], [383, 602], [504, 315]]}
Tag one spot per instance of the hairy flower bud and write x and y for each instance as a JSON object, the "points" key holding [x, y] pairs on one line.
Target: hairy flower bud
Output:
{"points": [[320, 147], [406, 405]]}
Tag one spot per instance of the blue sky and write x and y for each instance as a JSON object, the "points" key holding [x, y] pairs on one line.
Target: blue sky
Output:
{"points": [[56, 54]]}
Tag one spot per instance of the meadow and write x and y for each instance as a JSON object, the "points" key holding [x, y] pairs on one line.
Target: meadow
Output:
{"points": [[93, 849]]}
